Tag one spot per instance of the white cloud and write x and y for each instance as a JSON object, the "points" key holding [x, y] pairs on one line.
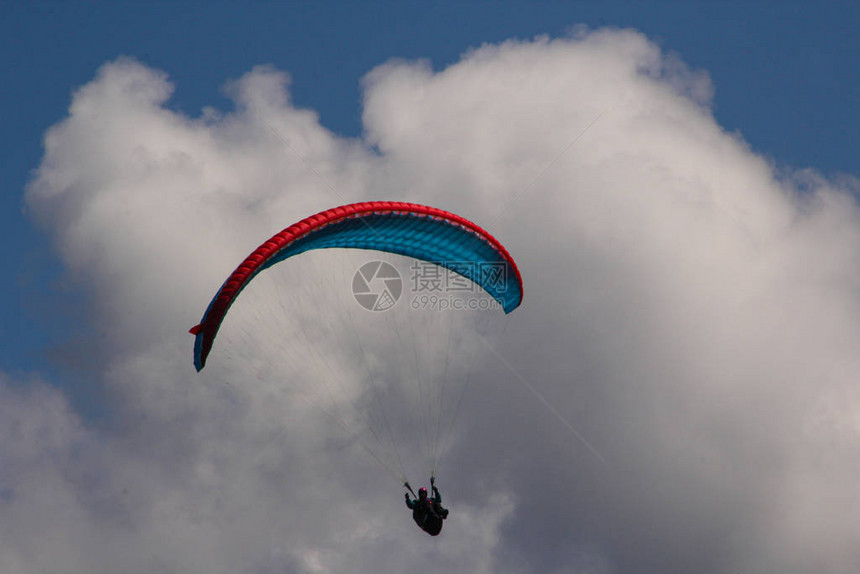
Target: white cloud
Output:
{"points": [[687, 309]]}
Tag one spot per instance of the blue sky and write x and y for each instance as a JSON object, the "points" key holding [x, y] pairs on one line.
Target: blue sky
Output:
{"points": [[782, 74], [782, 71], [700, 334]]}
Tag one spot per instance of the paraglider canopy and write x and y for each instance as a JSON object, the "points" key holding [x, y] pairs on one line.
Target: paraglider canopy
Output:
{"points": [[418, 231]]}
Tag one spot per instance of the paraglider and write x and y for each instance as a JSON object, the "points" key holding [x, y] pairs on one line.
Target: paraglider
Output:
{"points": [[427, 512], [424, 233], [418, 231]]}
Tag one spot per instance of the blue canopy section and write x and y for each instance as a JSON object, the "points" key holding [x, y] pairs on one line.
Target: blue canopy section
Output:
{"points": [[429, 239]]}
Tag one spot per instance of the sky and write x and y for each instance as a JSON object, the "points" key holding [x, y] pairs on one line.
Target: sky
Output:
{"points": [[676, 181]]}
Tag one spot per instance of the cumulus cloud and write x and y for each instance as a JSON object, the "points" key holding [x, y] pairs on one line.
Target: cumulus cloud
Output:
{"points": [[689, 309]]}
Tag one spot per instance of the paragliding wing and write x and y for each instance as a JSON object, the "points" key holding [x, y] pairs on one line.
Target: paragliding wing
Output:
{"points": [[418, 231]]}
